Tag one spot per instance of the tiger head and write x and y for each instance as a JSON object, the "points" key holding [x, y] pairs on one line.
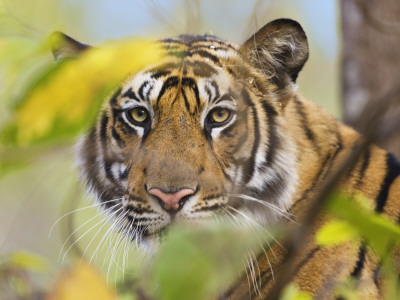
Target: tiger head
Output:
{"points": [[200, 134]]}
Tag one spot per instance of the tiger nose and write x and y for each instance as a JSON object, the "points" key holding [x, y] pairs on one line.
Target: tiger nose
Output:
{"points": [[171, 201]]}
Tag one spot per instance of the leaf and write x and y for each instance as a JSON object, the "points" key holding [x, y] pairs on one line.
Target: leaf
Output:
{"points": [[81, 283], [200, 263], [381, 233], [335, 233], [291, 292], [28, 261], [66, 99]]}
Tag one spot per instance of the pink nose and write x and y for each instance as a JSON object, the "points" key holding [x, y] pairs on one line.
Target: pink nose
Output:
{"points": [[171, 200]]}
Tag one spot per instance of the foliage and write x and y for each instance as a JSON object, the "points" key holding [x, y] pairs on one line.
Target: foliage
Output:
{"points": [[199, 263], [66, 98]]}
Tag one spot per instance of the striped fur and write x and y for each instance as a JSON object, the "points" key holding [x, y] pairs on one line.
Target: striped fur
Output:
{"points": [[276, 146]]}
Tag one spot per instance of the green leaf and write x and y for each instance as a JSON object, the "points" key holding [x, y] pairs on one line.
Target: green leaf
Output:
{"points": [[200, 263], [381, 233], [335, 233]]}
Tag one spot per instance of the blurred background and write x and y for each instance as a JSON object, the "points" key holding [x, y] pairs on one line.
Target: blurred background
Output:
{"points": [[39, 184]]}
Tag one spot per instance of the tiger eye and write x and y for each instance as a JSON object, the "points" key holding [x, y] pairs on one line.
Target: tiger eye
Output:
{"points": [[220, 115], [139, 114]]}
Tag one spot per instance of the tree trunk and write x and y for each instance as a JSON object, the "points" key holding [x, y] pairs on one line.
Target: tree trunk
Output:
{"points": [[371, 58]]}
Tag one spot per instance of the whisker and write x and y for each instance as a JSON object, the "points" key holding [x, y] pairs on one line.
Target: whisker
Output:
{"points": [[79, 209], [269, 262], [256, 270], [102, 226], [126, 250], [97, 215], [77, 240], [251, 221], [118, 241], [273, 207], [247, 269], [113, 239]]}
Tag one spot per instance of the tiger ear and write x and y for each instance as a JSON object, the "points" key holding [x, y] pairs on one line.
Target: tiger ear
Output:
{"points": [[279, 50], [64, 47]]}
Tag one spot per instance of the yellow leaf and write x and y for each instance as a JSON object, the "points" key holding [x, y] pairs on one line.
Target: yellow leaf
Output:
{"points": [[81, 283], [335, 233], [28, 261], [71, 96]]}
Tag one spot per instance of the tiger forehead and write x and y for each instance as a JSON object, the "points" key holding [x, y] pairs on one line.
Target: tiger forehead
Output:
{"points": [[148, 87], [193, 65]]}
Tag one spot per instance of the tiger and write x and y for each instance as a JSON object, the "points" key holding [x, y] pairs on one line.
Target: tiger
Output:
{"points": [[214, 125]]}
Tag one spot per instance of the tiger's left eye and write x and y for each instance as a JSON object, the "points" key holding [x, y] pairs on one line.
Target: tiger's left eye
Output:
{"points": [[220, 115], [138, 115]]}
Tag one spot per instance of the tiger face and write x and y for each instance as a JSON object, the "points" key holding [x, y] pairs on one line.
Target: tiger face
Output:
{"points": [[200, 134]]}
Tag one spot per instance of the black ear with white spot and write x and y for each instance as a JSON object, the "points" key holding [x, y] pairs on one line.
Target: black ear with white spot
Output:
{"points": [[64, 47], [279, 50]]}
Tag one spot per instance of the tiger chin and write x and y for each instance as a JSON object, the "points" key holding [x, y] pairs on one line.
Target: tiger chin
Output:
{"points": [[215, 128]]}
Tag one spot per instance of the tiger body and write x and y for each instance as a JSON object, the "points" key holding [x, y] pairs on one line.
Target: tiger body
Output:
{"points": [[180, 140]]}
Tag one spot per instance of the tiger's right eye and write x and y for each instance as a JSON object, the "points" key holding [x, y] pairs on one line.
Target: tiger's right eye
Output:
{"points": [[138, 115]]}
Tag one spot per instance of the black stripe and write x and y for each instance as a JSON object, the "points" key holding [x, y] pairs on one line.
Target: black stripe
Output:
{"points": [[103, 132], [208, 208], [131, 94], [159, 74], [208, 93], [309, 256], [364, 166], [393, 170], [206, 54], [216, 89], [126, 129], [360, 262], [124, 175], [191, 83], [140, 210], [224, 97], [187, 104], [211, 197], [273, 140], [109, 173], [136, 199], [117, 138], [163, 70], [141, 88], [170, 82], [326, 165], [248, 174], [305, 125]]}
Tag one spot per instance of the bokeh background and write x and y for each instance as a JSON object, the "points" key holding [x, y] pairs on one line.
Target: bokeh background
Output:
{"points": [[38, 190]]}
